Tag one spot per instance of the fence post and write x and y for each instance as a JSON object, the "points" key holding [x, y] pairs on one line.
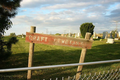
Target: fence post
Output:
{"points": [[31, 51], [82, 57]]}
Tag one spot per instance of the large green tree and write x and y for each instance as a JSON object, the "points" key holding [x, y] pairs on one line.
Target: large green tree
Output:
{"points": [[86, 27], [8, 9]]}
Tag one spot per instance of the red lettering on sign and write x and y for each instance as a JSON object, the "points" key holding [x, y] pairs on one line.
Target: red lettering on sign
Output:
{"points": [[57, 40]]}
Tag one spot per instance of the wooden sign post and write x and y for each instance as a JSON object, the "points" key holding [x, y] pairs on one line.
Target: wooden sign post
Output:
{"points": [[31, 51], [82, 58], [33, 37]]}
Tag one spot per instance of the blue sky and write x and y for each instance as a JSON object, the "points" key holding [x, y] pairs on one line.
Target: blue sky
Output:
{"points": [[59, 16]]}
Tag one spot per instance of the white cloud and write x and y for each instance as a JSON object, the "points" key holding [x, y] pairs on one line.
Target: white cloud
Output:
{"points": [[60, 21], [60, 15], [69, 5], [64, 3]]}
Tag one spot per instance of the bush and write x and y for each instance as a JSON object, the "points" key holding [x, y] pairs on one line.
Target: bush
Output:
{"points": [[5, 47], [86, 27], [12, 34], [58, 34], [114, 32], [5, 54]]}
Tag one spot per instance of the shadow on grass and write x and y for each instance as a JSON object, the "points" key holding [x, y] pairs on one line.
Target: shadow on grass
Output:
{"points": [[59, 56]]}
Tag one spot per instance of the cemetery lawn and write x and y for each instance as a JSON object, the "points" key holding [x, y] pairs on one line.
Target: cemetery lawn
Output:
{"points": [[45, 55]]}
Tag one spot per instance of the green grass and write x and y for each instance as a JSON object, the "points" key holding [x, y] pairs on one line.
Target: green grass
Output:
{"points": [[53, 55]]}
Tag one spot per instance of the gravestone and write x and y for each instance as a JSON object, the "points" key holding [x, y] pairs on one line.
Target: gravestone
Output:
{"points": [[110, 39], [110, 34], [95, 36], [116, 38], [78, 35], [119, 34], [70, 34], [22, 36], [105, 35], [115, 34]]}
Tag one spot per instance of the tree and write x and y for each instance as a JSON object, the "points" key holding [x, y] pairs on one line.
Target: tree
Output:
{"points": [[58, 34], [12, 34], [86, 27], [7, 10], [114, 32]]}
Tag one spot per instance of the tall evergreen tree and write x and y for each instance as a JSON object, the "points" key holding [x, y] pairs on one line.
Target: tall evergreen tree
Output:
{"points": [[8, 9], [86, 27]]}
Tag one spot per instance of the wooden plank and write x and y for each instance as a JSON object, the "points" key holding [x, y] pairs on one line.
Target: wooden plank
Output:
{"points": [[58, 40], [82, 58], [31, 51]]}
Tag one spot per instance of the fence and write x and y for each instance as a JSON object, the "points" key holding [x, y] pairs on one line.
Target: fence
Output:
{"points": [[110, 75]]}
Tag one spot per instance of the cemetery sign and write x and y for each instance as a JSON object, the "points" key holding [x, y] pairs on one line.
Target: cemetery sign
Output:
{"points": [[57, 40]]}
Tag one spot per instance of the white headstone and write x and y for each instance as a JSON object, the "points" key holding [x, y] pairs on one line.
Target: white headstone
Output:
{"points": [[78, 34], [119, 34], [22, 36], [110, 40], [95, 36]]}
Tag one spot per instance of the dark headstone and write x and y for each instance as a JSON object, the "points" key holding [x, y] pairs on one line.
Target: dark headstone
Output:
{"points": [[115, 34], [111, 34]]}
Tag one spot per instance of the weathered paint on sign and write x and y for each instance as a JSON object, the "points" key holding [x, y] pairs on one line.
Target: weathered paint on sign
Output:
{"points": [[57, 40]]}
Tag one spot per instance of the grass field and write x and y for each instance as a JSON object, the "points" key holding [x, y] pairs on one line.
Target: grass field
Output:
{"points": [[54, 55]]}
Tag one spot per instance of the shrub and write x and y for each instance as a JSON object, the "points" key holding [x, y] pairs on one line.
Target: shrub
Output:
{"points": [[5, 48], [86, 27], [12, 34]]}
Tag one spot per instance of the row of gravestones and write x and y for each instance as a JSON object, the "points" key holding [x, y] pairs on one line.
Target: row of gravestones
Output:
{"points": [[105, 35]]}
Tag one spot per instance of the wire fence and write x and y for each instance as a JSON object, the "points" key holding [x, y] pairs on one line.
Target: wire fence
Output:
{"points": [[109, 75], [105, 75]]}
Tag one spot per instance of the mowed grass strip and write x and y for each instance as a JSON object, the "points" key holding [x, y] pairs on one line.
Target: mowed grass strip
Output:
{"points": [[54, 55]]}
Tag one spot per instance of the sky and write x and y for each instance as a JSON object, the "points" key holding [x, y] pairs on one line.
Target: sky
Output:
{"points": [[64, 16]]}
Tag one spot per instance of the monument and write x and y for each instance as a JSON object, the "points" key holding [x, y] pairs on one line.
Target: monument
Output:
{"points": [[110, 34], [22, 36], [78, 35], [110, 39], [116, 38], [105, 35], [119, 34], [95, 36]]}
